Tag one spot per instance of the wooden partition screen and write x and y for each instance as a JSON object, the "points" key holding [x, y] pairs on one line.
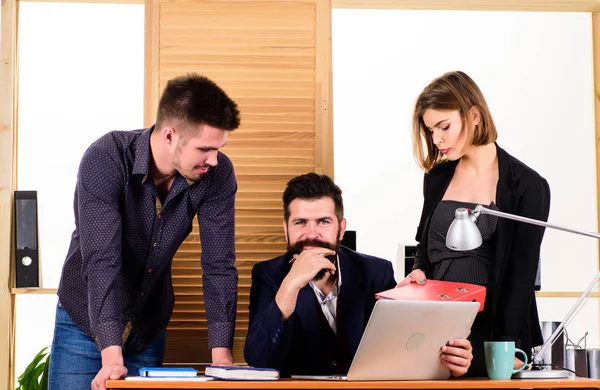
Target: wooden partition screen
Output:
{"points": [[273, 59]]}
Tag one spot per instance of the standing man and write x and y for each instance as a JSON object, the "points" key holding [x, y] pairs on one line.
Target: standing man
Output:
{"points": [[136, 196]]}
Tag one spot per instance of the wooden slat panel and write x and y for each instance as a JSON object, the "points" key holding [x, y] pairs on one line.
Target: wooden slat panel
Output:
{"points": [[280, 171], [245, 230], [264, 54], [270, 143], [186, 345], [251, 9], [268, 162], [296, 135], [248, 186], [265, 36], [303, 75], [255, 237], [250, 127], [198, 305], [192, 299], [244, 290], [192, 275], [233, 86], [245, 256], [241, 247], [188, 25]]}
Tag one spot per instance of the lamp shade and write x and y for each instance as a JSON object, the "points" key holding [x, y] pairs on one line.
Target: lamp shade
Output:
{"points": [[463, 234]]}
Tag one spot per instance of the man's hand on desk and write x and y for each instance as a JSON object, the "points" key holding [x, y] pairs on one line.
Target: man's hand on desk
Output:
{"points": [[222, 356], [112, 367], [457, 356]]}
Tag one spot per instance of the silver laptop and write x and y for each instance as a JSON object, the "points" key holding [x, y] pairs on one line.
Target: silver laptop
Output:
{"points": [[403, 340]]}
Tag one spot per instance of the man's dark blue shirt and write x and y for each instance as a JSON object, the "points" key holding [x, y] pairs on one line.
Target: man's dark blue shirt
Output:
{"points": [[117, 273]]}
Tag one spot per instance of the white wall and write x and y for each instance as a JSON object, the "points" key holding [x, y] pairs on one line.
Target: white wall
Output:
{"points": [[78, 79], [535, 70]]}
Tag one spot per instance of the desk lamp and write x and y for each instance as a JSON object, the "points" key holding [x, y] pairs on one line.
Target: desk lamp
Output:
{"points": [[463, 235]]}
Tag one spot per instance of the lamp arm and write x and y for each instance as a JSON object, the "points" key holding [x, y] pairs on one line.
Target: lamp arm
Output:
{"points": [[567, 320], [483, 210], [479, 209]]}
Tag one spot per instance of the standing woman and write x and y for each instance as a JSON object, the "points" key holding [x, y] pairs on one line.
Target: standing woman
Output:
{"points": [[454, 143]]}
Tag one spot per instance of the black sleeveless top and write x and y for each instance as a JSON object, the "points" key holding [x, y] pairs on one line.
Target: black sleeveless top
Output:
{"points": [[472, 266]]}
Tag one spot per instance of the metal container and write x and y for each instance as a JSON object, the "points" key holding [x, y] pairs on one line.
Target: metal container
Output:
{"points": [[556, 354], [593, 357], [577, 360]]}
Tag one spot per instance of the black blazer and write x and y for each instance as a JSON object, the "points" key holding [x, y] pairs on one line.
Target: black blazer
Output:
{"points": [[520, 191], [296, 346]]}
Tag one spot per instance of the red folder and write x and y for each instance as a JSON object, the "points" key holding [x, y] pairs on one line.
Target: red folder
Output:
{"points": [[436, 290]]}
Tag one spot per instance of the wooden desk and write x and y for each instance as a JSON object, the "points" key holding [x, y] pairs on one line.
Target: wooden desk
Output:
{"points": [[575, 383]]}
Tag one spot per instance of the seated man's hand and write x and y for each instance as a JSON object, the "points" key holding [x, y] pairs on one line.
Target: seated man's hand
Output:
{"points": [[457, 356], [307, 265], [417, 276]]}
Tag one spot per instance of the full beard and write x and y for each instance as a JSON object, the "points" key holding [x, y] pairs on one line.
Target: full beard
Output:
{"points": [[298, 247]]}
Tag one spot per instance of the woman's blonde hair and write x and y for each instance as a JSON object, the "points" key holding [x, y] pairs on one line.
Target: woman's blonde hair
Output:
{"points": [[454, 91]]}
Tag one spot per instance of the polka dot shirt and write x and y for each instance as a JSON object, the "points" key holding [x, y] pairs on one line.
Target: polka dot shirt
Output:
{"points": [[116, 281]]}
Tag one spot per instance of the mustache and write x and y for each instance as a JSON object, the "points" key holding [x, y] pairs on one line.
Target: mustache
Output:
{"points": [[298, 246]]}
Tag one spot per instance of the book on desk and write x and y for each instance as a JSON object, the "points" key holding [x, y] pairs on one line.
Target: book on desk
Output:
{"points": [[241, 373], [168, 372], [211, 372]]}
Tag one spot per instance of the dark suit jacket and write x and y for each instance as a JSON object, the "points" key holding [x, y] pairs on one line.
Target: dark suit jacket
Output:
{"points": [[296, 346], [520, 191]]}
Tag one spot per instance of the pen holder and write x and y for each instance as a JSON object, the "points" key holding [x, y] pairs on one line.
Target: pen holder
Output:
{"points": [[593, 355], [576, 360]]}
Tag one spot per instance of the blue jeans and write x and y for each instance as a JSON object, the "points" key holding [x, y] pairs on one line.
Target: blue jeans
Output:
{"points": [[75, 360]]}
